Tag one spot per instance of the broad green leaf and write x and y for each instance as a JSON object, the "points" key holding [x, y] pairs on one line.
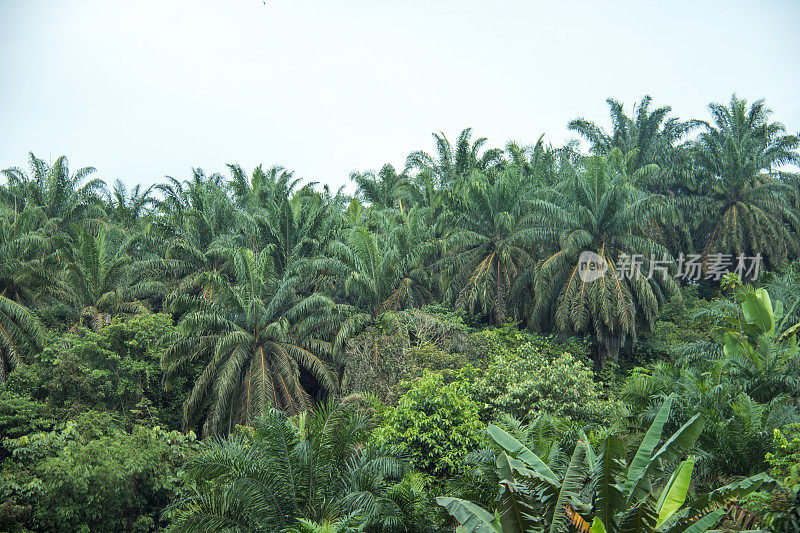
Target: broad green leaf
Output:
{"points": [[790, 332], [757, 310], [515, 509], [516, 449], [676, 446], [597, 526], [674, 494], [708, 521], [473, 519], [651, 440], [574, 480], [609, 469]]}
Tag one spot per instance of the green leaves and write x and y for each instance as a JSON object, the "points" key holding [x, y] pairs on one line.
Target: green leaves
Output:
{"points": [[472, 518], [674, 494], [757, 310], [520, 451]]}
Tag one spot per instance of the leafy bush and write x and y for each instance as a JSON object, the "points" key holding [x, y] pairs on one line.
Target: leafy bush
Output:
{"points": [[89, 475], [437, 423], [116, 369], [531, 376]]}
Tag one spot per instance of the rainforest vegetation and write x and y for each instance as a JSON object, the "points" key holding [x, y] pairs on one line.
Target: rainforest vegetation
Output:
{"points": [[253, 351]]}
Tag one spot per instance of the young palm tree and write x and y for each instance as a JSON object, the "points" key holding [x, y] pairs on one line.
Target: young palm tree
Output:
{"points": [[598, 211], [744, 205], [314, 467], [254, 336]]}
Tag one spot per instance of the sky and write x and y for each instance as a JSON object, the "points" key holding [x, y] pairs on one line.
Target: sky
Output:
{"points": [[152, 88]]}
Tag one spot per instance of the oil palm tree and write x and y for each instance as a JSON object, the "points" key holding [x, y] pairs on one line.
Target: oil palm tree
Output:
{"points": [[597, 211], [386, 190], [490, 247], [744, 205], [95, 281], [67, 200], [127, 208], [24, 273], [650, 136], [300, 472], [257, 340], [263, 188], [455, 163]]}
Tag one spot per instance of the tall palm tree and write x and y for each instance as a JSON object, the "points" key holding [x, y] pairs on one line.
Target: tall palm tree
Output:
{"points": [[490, 247], [598, 211], [257, 340], [454, 163], [744, 205], [23, 273], [652, 137], [387, 189], [376, 276], [66, 199]]}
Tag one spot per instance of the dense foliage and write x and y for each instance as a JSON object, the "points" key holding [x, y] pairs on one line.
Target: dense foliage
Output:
{"points": [[249, 352]]}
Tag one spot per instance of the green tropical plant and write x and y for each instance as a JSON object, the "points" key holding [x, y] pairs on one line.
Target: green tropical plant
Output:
{"points": [[95, 282], [255, 336], [744, 205], [616, 495], [293, 472], [490, 248], [598, 211], [453, 164]]}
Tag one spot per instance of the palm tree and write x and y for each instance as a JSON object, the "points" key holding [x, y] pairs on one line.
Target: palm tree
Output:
{"points": [[65, 199], [195, 224], [651, 137], [263, 189], [455, 163], [313, 467], [387, 190], [490, 247], [127, 208], [257, 340], [293, 229], [95, 281], [744, 205], [376, 276], [24, 272], [597, 211]]}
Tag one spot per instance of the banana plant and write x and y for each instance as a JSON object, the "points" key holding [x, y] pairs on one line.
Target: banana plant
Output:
{"points": [[600, 492], [759, 324]]}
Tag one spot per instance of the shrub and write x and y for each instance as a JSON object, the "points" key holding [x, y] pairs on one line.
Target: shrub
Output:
{"points": [[437, 423], [89, 475], [531, 376]]}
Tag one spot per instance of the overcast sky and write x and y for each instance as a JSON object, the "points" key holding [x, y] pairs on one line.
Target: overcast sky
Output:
{"points": [[143, 89]]}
